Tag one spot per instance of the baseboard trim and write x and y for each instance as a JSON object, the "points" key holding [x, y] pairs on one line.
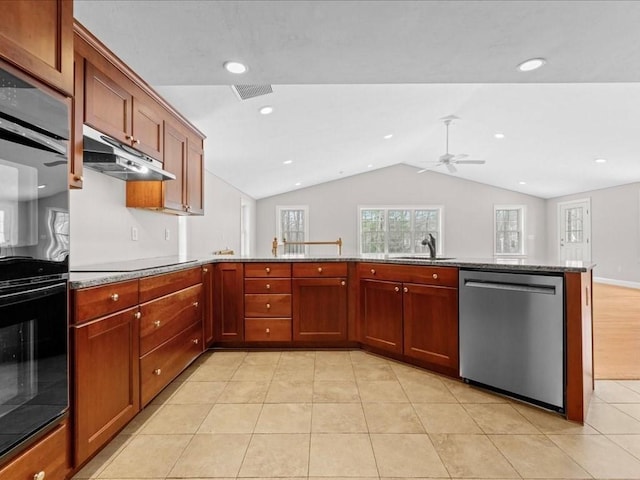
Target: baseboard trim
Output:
{"points": [[617, 283]]}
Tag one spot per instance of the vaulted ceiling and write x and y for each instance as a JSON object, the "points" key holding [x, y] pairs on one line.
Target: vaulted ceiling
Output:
{"points": [[346, 74]]}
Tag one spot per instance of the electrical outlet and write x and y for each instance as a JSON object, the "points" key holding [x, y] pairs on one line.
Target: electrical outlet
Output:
{"points": [[134, 234], [167, 234]]}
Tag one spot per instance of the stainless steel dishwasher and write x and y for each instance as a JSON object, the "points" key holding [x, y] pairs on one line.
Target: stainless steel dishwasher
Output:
{"points": [[512, 334]]}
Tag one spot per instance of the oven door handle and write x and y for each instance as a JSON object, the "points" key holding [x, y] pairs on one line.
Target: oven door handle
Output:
{"points": [[32, 294], [45, 142]]}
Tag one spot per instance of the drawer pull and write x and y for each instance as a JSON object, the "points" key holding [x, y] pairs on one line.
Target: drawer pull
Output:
{"points": [[195, 304], [157, 371], [405, 289], [267, 269], [373, 272], [157, 323], [195, 341], [137, 315], [435, 276], [397, 289], [115, 297], [268, 286], [39, 476], [343, 283], [268, 306], [319, 269], [266, 330]]}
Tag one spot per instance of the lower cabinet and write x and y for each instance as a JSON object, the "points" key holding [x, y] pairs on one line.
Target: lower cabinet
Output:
{"points": [[106, 379], [319, 309], [48, 458]]}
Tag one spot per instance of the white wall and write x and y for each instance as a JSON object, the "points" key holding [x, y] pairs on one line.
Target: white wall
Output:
{"points": [[468, 210], [615, 231], [101, 224]]}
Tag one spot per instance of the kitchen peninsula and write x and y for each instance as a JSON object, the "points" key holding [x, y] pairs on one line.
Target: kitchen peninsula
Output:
{"points": [[345, 302]]}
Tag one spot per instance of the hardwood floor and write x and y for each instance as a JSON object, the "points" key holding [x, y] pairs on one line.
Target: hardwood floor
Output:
{"points": [[616, 332]]}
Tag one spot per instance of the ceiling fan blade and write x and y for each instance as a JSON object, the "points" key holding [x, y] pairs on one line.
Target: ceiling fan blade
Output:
{"points": [[471, 162], [451, 168]]}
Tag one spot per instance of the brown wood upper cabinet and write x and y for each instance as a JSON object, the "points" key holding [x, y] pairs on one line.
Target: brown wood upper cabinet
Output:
{"points": [[37, 36]]}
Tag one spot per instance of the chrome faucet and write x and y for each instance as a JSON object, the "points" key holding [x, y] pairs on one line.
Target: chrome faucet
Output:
{"points": [[431, 243]]}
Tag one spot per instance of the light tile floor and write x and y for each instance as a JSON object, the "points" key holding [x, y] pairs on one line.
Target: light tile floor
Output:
{"points": [[313, 414]]}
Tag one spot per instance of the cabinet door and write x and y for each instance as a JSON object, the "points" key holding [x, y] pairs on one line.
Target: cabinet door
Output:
{"points": [[319, 309], [37, 35], [107, 104], [147, 129], [381, 314], [195, 176], [175, 160], [106, 375], [431, 324], [228, 302]]}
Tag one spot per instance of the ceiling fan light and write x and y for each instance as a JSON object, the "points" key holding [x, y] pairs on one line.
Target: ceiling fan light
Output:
{"points": [[531, 64]]}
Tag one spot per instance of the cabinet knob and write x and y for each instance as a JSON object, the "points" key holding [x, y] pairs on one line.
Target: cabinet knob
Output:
{"points": [[397, 289], [137, 315], [157, 323], [319, 269], [266, 330], [373, 272], [268, 286], [268, 306], [405, 289], [435, 276], [115, 297], [205, 269], [195, 304], [343, 283], [157, 371], [39, 476], [267, 269], [195, 341]]}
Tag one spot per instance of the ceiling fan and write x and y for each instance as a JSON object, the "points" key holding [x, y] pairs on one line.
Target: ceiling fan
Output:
{"points": [[449, 160]]}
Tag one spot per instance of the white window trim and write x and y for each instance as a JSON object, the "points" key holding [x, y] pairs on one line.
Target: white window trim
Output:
{"points": [[523, 228], [440, 208], [279, 236]]}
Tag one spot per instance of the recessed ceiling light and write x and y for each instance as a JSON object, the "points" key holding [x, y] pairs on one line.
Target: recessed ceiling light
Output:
{"points": [[499, 135], [387, 137], [531, 64], [522, 183], [41, 186], [288, 162], [266, 110], [298, 184], [601, 160], [235, 67]]}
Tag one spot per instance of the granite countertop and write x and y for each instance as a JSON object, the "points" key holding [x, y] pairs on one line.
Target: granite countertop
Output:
{"points": [[132, 269]]}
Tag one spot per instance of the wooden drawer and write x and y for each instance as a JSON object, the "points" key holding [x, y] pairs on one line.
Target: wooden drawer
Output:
{"points": [[51, 455], [267, 285], [267, 329], [325, 269], [442, 276], [166, 316], [270, 269], [271, 305], [159, 285], [162, 365], [99, 301]]}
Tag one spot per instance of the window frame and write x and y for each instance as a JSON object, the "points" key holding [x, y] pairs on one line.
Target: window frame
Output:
{"points": [[412, 208], [279, 236], [522, 229]]}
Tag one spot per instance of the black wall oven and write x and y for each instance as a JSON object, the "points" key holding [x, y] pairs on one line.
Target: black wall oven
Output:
{"points": [[34, 267]]}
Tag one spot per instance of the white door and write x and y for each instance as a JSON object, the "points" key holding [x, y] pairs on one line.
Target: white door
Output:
{"points": [[574, 230]]}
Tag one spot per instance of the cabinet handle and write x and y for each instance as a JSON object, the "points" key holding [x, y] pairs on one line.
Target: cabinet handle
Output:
{"points": [[267, 269], [115, 297], [195, 304], [39, 476], [373, 272], [157, 323], [157, 371], [268, 306], [435, 276], [405, 289], [266, 330], [205, 269], [268, 286], [195, 341], [137, 315], [397, 289], [319, 269], [343, 283]]}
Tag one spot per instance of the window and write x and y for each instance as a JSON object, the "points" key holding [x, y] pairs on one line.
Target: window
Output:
{"points": [[509, 229], [292, 226], [399, 229]]}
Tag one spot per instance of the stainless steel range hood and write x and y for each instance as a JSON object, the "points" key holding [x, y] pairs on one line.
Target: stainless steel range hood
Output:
{"points": [[111, 157]]}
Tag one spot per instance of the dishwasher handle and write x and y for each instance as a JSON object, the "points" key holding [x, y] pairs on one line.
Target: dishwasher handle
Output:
{"points": [[514, 287]]}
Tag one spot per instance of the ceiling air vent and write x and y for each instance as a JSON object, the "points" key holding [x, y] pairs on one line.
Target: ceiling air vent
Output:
{"points": [[245, 92]]}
